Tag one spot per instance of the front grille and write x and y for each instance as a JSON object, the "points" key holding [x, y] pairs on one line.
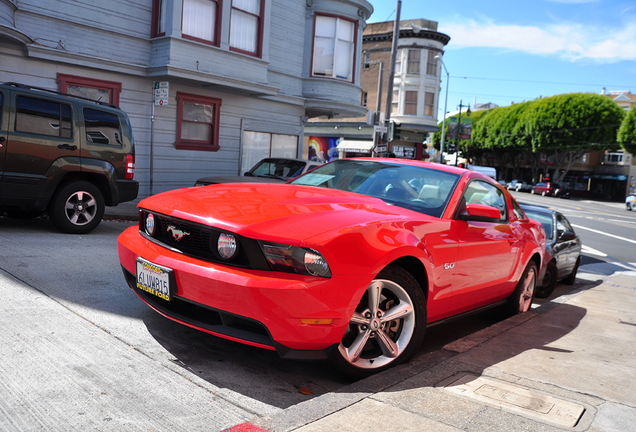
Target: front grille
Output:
{"points": [[205, 317], [200, 242]]}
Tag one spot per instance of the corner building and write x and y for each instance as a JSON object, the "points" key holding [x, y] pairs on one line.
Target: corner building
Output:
{"points": [[210, 86]]}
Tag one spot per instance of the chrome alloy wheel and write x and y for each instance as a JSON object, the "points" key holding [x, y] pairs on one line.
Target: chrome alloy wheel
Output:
{"points": [[527, 290], [80, 208], [381, 327]]}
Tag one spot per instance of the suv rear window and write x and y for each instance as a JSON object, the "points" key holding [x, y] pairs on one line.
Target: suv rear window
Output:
{"points": [[43, 117], [102, 127]]}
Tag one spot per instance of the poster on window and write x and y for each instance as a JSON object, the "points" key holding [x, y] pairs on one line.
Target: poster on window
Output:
{"points": [[323, 149]]}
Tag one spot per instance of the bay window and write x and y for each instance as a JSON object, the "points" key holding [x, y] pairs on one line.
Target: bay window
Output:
{"points": [[246, 26], [410, 102], [200, 21], [334, 47], [413, 67], [429, 104], [431, 64], [158, 18]]}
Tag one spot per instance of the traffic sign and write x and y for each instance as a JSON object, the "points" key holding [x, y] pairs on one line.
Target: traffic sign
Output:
{"points": [[380, 129]]}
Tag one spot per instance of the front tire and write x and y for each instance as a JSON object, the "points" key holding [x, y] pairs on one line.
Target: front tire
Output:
{"points": [[521, 299], [549, 281], [77, 207], [386, 328]]}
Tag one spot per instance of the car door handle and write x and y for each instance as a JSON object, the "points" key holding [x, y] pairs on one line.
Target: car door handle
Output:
{"points": [[67, 147]]}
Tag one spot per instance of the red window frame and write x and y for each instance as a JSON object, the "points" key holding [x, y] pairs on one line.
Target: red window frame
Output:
{"points": [[156, 18], [355, 48], [217, 27], [213, 144], [259, 38], [64, 81]]}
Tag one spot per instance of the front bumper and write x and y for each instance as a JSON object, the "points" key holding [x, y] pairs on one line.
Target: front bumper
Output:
{"points": [[255, 307]]}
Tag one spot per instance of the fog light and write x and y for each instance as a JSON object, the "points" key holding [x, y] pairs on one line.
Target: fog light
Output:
{"points": [[150, 224], [227, 246]]}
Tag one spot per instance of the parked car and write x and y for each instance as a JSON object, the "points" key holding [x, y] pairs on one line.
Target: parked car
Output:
{"points": [[518, 186], [545, 188], [63, 154], [268, 170], [562, 248], [630, 202], [348, 261]]}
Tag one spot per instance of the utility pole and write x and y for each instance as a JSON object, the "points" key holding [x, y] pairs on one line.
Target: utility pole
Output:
{"points": [[394, 48]]}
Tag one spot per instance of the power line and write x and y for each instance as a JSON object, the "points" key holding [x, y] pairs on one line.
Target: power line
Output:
{"points": [[538, 82]]}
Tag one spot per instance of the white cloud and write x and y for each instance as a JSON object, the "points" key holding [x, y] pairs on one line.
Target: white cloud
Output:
{"points": [[569, 41]]}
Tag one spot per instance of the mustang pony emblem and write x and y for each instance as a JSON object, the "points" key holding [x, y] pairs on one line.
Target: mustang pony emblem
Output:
{"points": [[177, 233]]}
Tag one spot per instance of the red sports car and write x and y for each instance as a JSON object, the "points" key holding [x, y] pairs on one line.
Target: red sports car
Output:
{"points": [[350, 261]]}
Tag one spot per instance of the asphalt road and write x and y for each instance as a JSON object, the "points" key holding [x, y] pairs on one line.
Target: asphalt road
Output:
{"points": [[607, 230], [82, 275]]}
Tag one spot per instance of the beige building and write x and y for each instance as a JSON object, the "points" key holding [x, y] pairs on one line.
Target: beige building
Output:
{"points": [[415, 96]]}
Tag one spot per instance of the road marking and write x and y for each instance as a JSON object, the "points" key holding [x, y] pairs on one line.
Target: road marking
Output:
{"points": [[590, 251], [605, 234]]}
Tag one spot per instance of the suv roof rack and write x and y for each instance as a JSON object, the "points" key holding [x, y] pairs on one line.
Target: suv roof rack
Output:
{"points": [[29, 87]]}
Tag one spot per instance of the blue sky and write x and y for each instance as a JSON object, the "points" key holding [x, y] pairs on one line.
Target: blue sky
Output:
{"points": [[519, 50]]}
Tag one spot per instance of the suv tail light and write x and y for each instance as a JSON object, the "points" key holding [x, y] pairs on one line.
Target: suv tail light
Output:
{"points": [[130, 166]]}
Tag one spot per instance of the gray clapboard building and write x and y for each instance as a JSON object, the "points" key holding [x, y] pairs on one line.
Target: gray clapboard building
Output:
{"points": [[211, 86]]}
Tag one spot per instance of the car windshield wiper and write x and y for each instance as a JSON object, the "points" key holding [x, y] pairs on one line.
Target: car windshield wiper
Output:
{"points": [[273, 176]]}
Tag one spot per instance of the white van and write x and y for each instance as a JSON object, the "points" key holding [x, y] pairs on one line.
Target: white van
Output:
{"points": [[489, 171]]}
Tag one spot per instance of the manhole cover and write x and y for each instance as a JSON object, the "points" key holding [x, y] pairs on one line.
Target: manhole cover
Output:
{"points": [[517, 399]]}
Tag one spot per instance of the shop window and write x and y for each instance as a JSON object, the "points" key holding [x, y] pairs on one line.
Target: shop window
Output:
{"points": [[260, 145]]}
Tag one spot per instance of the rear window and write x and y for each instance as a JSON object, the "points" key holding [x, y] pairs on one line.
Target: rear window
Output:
{"points": [[102, 127]]}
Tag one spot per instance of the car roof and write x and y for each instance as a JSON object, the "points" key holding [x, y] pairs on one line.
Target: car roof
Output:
{"points": [[537, 209]]}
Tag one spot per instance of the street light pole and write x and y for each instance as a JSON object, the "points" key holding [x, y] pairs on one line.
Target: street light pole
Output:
{"points": [[441, 147]]}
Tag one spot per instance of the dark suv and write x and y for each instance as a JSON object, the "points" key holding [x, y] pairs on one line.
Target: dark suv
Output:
{"points": [[63, 154]]}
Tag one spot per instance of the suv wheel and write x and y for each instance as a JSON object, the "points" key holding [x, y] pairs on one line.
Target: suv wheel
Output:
{"points": [[77, 207]]}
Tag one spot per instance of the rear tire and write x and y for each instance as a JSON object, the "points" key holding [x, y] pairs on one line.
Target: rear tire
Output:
{"points": [[521, 299], [549, 281], [77, 207], [386, 328]]}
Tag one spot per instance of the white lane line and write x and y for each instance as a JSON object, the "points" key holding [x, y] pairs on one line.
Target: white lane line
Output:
{"points": [[605, 234], [590, 251]]}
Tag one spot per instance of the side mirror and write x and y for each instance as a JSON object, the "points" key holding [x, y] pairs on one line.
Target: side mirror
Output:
{"points": [[567, 236], [481, 212]]}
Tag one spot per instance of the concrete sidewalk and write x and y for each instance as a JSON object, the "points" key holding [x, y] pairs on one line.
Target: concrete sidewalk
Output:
{"points": [[569, 364]]}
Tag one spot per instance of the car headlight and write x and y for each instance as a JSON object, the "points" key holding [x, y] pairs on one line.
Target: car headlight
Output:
{"points": [[292, 259]]}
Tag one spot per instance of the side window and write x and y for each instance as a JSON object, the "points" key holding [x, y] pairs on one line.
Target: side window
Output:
{"points": [[102, 127], [517, 210], [563, 226], [480, 192], [43, 117]]}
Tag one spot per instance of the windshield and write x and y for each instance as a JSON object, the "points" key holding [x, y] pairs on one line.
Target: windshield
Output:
{"points": [[283, 169], [416, 188], [544, 219]]}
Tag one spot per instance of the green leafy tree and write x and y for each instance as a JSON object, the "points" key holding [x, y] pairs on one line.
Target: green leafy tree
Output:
{"points": [[569, 125], [627, 132]]}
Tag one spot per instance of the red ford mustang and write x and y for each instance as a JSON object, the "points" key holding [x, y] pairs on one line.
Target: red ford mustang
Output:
{"points": [[350, 261]]}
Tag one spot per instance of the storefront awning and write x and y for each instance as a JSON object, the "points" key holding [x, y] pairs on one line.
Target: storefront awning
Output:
{"points": [[355, 146]]}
